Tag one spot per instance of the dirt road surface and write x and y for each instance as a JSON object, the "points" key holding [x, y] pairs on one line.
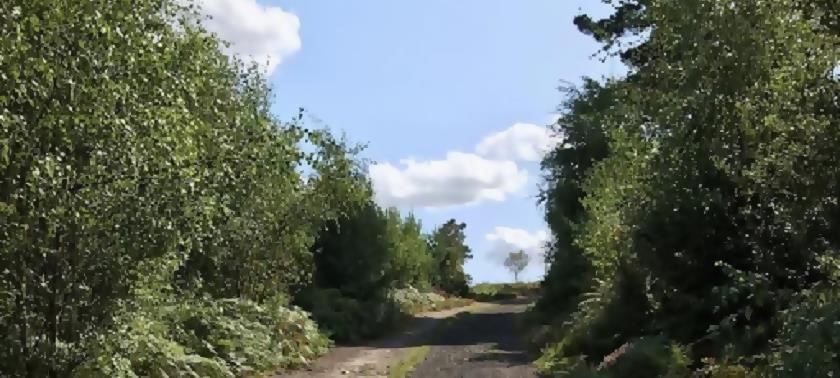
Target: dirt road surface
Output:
{"points": [[480, 340], [485, 342]]}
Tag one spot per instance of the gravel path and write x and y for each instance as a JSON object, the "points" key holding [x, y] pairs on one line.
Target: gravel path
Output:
{"points": [[484, 343], [374, 358], [480, 340]]}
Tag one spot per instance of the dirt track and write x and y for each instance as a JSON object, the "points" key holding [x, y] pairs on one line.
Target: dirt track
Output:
{"points": [[480, 340], [483, 343]]}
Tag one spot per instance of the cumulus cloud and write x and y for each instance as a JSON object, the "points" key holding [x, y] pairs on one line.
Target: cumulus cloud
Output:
{"points": [[459, 179], [522, 141], [491, 173], [504, 240], [262, 34]]}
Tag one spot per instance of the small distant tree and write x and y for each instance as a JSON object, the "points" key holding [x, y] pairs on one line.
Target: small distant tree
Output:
{"points": [[516, 263]]}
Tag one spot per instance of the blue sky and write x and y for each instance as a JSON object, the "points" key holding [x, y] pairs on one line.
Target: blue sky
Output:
{"points": [[434, 88]]}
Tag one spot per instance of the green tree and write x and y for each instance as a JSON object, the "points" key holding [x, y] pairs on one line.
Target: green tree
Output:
{"points": [[411, 259], [140, 167], [629, 20], [584, 116], [351, 253], [698, 210], [711, 217], [516, 263], [98, 156], [449, 252]]}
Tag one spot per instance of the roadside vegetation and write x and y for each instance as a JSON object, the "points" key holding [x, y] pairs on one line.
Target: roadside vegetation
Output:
{"points": [[502, 291], [157, 220], [413, 357], [693, 203]]}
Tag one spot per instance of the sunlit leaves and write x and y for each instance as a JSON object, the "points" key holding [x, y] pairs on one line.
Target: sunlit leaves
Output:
{"points": [[137, 161], [721, 181]]}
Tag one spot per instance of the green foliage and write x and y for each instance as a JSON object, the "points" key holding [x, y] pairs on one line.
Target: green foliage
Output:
{"points": [[348, 319], [449, 252], [488, 291], [144, 348], [565, 168], [351, 253], [367, 263], [728, 369], [100, 163], [647, 357], [410, 264], [412, 357], [604, 320], [630, 19], [516, 263], [808, 339], [141, 169], [412, 301], [644, 357], [369, 250], [695, 199], [264, 220], [205, 338]]}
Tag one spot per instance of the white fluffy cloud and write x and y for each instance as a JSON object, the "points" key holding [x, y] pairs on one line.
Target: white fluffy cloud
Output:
{"points": [[460, 178], [504, 240], [262, 34], [464, 178], [522, 141]]}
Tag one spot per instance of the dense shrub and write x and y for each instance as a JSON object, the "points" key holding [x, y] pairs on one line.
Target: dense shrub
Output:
{"points": [[603, 322], [642, 358], [647, 357], [413, 301], [411, 261], [725, 369], [367, 264], [487, 291], [586, 112], [347, 319], [808, 341], [206, 338]]}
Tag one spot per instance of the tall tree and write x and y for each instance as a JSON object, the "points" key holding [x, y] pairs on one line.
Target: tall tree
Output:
{"points": [[449, 251], [697, 215], [410, 262], [582, 124], [352, 253], [123, 168], [100, 126]]}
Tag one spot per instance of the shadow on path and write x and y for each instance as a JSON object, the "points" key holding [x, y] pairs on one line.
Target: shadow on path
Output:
{"points": [[486, 343], [480, 340]]}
